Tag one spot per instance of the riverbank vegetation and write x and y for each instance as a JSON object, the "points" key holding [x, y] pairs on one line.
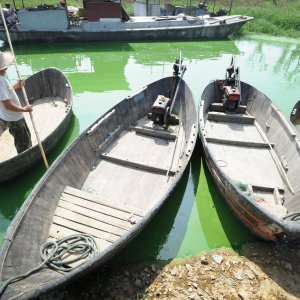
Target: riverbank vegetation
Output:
{"points": [[275, 17], [279, 18]]}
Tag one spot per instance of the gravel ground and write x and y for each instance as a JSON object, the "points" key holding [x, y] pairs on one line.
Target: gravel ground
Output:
{"points": [[262, 271]]}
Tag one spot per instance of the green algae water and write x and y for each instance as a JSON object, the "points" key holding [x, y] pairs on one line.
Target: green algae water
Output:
{"points": [[195, 218]]}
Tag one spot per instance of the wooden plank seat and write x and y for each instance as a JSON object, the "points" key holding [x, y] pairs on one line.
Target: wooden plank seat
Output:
{"points": [[162, 134], [230, 118], [267, 189], [132, 164], [239, 143], [81, 212], [219, 107]]}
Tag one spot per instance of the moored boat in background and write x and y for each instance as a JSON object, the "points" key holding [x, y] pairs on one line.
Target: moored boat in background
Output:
{"points": [[253, 154], [108, 21], [50, 94]]}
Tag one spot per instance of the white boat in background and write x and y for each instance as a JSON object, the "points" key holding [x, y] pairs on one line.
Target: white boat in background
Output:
{"points": [[108, 21]]}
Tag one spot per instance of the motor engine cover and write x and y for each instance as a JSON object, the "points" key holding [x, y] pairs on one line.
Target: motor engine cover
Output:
{"points": [[232, 93], [159, 108]]}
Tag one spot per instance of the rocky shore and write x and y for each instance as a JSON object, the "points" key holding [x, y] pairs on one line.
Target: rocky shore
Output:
{"points": [[261, 271]]}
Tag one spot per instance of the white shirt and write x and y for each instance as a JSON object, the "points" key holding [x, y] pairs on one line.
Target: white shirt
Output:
{"points": [[8, 93]]}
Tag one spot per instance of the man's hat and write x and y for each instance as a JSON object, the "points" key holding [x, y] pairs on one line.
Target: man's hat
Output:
{"points": [[6, 59]]}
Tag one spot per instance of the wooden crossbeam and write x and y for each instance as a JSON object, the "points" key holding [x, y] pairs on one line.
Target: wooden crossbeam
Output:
{"points": [[154, 133], [137, 165], [219, 106], [238, 143], [230, 118]]}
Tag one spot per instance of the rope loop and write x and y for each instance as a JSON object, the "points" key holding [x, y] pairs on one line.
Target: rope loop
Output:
{"points": [[58, 255]]}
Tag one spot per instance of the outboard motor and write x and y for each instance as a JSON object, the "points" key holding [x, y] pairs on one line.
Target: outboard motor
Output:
{"points": [[161, 111], [230, 88]]}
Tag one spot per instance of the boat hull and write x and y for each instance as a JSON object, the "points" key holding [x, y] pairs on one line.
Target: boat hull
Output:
{"points": [[37, 85], [216, 30], [258, 220], [92, 163]]}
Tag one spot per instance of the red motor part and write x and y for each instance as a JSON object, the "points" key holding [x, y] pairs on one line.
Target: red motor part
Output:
{"points": [[232, 94]]}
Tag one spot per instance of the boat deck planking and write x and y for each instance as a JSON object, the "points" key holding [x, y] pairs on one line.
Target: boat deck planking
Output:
{"points": [[81, 212], [48, 113], [144, 165], [244, 156]]}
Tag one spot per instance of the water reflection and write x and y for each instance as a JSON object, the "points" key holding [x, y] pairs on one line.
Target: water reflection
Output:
{"points": [[283, 57], [273, 66]]}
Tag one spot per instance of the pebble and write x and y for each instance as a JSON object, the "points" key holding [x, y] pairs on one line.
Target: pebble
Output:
{"points": [[288, 266], [250, 274], [238, 274], [217, 258], [204, 260], [138, 283]]}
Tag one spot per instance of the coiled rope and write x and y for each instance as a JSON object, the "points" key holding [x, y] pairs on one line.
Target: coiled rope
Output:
{"points": [[58, 255]]}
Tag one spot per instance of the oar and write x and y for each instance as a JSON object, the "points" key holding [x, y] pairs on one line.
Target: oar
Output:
{"points": [[24, 92]]}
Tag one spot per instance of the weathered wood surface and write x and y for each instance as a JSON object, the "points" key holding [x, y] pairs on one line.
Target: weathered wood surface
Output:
{"points": [[48, 113], [112, 200], [50, 94], [230, 117], [82, 212]]}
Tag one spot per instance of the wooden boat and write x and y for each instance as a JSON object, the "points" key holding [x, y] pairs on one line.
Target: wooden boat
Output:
{"points": [[50, 94], [107, 21], [295, 116], [108, 183], [252, 152]]}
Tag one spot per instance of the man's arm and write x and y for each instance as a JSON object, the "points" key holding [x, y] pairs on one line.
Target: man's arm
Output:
{"points": [[10, 106]]}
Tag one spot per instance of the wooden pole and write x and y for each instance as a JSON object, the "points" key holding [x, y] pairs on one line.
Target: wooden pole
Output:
{"points": [[24, 92], [230, 7], [274, 156]]}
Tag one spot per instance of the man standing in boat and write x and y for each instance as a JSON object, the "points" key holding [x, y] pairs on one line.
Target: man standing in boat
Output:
{"points": [[11, 111]]}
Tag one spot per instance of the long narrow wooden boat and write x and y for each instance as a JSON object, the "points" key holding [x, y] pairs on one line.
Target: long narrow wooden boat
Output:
{"points": [[252, 152], [295, 116], [108, 183], [108, 21], [50, 94]]}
